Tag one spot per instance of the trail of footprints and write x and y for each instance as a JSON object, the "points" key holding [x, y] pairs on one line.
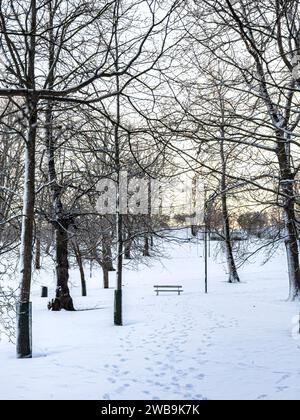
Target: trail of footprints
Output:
{"points": [[172, 367]]}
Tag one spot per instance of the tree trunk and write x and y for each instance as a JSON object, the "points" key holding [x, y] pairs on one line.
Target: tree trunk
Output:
{"points": [[104, 270], [292, 249], [194, 230], [50, 241], [28, 209], [81, 268], [151, 241], [105, 277], [127, 248], [63, 300], [146, 250], [233, 274], [106, 261], [291, 241], [24, 340], [38, 246], [61, 224], [107, 253]]}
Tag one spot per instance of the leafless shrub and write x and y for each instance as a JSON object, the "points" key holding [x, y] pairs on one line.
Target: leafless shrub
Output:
{"points": [[8, 297]]}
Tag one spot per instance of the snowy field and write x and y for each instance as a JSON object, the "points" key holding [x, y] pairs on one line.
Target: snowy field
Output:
{"points": [[234, 343]]}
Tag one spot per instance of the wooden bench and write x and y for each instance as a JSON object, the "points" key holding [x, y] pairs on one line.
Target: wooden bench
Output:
{"points": [[168, 288]]}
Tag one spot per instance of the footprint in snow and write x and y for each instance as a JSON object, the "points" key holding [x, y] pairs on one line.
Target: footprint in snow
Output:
{"points": [[159, 375], [284, 377], [282, 388], [262, 397]]}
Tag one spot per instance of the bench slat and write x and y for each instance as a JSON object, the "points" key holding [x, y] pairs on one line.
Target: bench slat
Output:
{"points": [[176, 291], [167, 286]]}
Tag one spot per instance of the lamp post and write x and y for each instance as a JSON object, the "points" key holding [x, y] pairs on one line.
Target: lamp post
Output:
{"points": [[205, 241]]}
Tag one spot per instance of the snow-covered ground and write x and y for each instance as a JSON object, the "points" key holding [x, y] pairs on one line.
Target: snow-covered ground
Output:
{"points": [[234, 343]]}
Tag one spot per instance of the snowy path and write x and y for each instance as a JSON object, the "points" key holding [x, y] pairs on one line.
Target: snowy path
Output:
{"points": [[234, 343]]}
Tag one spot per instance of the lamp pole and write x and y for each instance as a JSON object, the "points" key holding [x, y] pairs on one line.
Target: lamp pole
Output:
{"points": [[205, 241]]}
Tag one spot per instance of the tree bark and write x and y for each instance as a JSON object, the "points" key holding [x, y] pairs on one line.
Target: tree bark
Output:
{"points": [[81, 268], [60, 223], [194, 230], [151, 241], [24, 340], [146, 250], [106, 261], [26, 256], [107, 253], [233, 274], [63, 299], [291, 241], [38, 246], [104, 270], [105, 277], [127, 248]]}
